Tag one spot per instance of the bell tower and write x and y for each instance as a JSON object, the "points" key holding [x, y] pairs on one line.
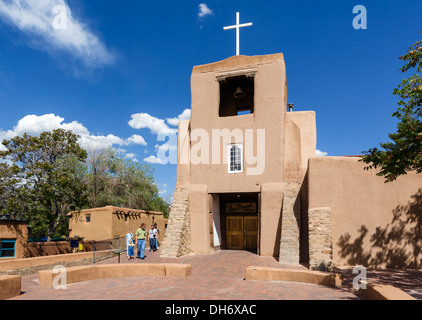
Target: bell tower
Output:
{"points": [[243, 158]]}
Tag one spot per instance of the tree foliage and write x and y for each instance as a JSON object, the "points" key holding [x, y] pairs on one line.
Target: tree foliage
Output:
{"points": [[404, 152], [43, 180], [114, 180]]}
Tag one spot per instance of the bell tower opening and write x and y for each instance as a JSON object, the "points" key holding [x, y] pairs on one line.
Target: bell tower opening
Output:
{"points": [[236, 96]]}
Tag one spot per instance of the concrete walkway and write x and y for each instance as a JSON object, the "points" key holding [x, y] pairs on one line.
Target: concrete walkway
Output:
{"points": [[219, 276]]}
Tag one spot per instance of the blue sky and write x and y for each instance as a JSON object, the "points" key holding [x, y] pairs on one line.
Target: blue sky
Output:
{"points": [[122, 68]]}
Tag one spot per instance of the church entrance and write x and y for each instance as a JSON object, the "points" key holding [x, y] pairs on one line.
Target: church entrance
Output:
{"points": [[240, 222], [242, 233]]}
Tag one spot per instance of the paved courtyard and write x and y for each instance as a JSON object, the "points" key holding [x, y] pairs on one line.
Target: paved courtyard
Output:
{"points": [[219, 276]]}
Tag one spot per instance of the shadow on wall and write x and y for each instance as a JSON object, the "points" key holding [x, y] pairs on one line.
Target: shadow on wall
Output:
{"points": [[397, 245]]}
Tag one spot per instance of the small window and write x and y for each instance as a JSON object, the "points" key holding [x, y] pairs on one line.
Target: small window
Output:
{"points": [[7, 248], [88, 218], [235, 154]]}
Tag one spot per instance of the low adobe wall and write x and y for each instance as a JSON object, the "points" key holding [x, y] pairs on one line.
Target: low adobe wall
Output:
{"points": [[304, 276], [41, 249], [80, 274], [374, 224], [50, 260], [376, 291], [10, 286]]}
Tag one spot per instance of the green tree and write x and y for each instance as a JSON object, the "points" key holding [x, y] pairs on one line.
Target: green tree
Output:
{"points": [[12, 193], [117, 181], [404, 152], [45, 178]]}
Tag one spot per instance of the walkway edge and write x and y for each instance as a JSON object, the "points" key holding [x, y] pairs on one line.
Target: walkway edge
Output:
{"points": [[95, 272], [288, 275], [377, 291]]}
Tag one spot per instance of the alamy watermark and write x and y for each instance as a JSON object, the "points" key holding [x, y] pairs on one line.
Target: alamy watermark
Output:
{"points": [[361, 20], [60, 281], [60, 17], [218, 146], [361, 280]]}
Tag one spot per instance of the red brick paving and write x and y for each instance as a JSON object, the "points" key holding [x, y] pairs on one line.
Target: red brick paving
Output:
{"points": [[219, 276]]}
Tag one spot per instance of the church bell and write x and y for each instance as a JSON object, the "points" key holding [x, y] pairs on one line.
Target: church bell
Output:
{"points": [[239, 94]]}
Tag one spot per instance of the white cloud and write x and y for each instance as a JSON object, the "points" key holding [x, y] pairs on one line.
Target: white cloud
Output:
{"points": [[37, 18], [120, 150], [320, 153], [100, 142], [155, 160], [204, 10], [137, 139], [132, 157], [146, 121], [184, 116], [35, 125]]}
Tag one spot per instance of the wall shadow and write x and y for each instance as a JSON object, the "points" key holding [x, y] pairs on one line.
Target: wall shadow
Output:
{"points": [[397, 245]]}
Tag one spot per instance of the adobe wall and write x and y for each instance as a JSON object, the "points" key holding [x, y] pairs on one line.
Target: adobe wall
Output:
{"points": [[105, 225], [42, 249], [14, 230], [98, 229], [183, 154], [271, 208], [373, 223], [300, 144]]}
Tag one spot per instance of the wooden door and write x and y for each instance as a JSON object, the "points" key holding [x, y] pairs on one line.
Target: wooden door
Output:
{"points": [[242, 233], [234, 233], [250, 227]]}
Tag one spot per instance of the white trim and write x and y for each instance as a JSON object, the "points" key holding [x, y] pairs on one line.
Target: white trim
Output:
{"points": [[250, 72], [229, 147]]}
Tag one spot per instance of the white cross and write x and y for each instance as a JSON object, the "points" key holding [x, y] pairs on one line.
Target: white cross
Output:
{"points": [[237, 27]]}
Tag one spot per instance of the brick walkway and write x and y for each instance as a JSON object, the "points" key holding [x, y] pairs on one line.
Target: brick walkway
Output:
{"points": [[215, 277]]}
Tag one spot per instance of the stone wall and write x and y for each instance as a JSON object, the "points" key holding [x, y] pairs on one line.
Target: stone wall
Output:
{"points": [[177, 241], [320, 239], [290, 225]]}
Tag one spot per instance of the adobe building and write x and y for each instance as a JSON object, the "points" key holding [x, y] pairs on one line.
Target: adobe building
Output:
{"points": [[248, 179], [111, 222], [13, 239]]}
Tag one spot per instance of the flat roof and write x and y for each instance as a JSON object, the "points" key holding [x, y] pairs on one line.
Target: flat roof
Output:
{"points": [[116, 209], [238, 61]]}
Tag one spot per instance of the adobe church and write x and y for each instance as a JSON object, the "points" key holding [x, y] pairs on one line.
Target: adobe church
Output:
{"points": [[248, 179]]}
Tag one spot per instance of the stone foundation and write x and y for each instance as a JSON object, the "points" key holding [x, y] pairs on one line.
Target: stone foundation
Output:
{"points": [[177, 241], [320, 239], [290, 225]]}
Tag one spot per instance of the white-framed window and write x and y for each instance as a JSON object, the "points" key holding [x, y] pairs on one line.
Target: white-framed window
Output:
{"points": [[235, 158]]}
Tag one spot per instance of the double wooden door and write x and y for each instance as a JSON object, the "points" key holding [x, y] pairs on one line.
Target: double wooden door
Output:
{"points": [[242, 232]]}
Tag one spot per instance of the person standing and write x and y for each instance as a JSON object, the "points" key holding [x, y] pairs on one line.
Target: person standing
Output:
{"points": [[130, 250], [157, 232], [152, 239], [141, 236], [129, 237]]}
